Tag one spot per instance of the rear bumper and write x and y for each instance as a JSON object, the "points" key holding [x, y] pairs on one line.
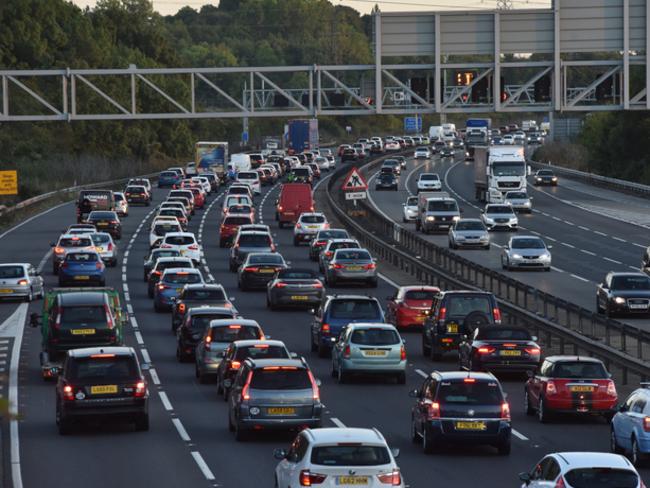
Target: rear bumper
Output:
{"points": [[16, 291], [516, 366], [107, 408], [436, 432], [571, 406], [351, 366]]}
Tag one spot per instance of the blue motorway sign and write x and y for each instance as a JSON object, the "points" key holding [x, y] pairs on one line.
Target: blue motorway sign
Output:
{"points": [[412, 124]]}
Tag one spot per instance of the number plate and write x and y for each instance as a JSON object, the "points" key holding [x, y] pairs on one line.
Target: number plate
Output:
{"points": [[102, 224], [267, 270], [281, 411], [638, 306], [354, 268], [352, 480], [6, 290], [82, 331], [99, 249], [179, 290], [375, 353], [103, 389], [299, 297], [462, 425], [510, 353], [82, 278], [452, 328], [581, 389]]}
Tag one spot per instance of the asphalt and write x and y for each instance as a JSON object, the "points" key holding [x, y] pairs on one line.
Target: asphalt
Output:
{"points": [[189, 443]]}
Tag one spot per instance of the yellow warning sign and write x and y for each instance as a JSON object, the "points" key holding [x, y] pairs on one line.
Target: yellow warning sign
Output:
{"points": [[9, 182]]}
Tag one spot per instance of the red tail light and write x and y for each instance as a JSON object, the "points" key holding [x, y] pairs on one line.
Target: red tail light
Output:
{"points": [[496, 312], [280, 285], [181, 308], [318, 284], [206, 344], [329, 254], [533, 351], [347, 352], [314, 387], [469, 380], [393, 478], [370, 266], [402, 354], [165, 246], [307, 478], [140, 389], [235, 364], [244, 392], [319, 243], [337, 266], [486, 350], [99, 265], [157, 273], [68, 393], [442, 313], [433, 411], [560, 483], [110, 246], [23, 282], [162, 287], [505, 411], [113, 222], [64, 265], [550, 388], [58, 250], [251, 269], [325, 328], [298, 226], [280, 208], [611, 391], [193, 247]]}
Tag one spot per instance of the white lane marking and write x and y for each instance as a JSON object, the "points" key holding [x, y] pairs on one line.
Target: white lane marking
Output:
{"points": [[412, 172], [634, 268], [421, 373], [611, 260], [496, 245], [519, 435], [154, 376], [127, 297], [618, 239], [557, 269], [567, 222], [535, 232], [338, 423], [568, 245], [138, 338], [181, 430], [41, 265], [584, 228], [558, 219], [638, 245], [580, 278], [588, 252], [123, 269], [600, 233], [200, 462], [145, 355], [388, 280], [129, 308], [549, 238], [165, 401], [134, 322], [125, 287], [123, 276]]}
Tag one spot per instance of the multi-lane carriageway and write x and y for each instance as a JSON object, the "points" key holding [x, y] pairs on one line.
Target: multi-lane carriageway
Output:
{"points": [[189, 443]]}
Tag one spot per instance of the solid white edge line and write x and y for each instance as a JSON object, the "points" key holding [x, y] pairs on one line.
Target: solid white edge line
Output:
{"points": [[14, 436], [165, 401], [338, 423], [202, 465], [519, 435], [388, 280], [9, 231], [181, 430]]}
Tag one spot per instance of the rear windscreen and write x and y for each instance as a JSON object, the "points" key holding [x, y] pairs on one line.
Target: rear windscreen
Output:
{"points": [[75, 242], [353, 255], [179, 240], [258, 240], [182, 278], [301, 172], [344, 245], [280, 378], [602, 478], [102, 370], [500, 333], [102, 215], [313, 219], [475, 393], [100, 238], [81, 257], [261, 351], [8, 272], [374, 337], [230, 333], [237, 220], [332, 234], [270, 259], [355, 455], [202, 321], [579, 370], [354, 309], [174, 264], [290, 274], [164, 253], [89, 315], [464, 305], [168, 174], [419, 295], [172, 212], [162, 229], [204, 294]]}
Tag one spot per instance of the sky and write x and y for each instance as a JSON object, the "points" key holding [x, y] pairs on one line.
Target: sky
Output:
{"points": [[169, 7]]}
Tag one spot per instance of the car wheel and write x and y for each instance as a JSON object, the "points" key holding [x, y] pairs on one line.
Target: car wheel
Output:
{"points": [[527, 406], [613, 445], [427, 443], [323, 351], [231, 427], [240, 434], [401, 378], [636, 458], [65, 426], [142, 423], [542, 415], [435, 354], [504, 447], [30, 296], [180, 355], [487, 248]]}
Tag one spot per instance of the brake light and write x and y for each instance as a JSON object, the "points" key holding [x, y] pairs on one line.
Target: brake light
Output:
{"points": [[319, 243], [550, 388], [235, 364], [165, 246], [314, 387], [442, 313], [533, 351], [112, 222], [433, 411], [486, 350], [347, 352], [280, 285], [560, 483], [329, 254], [311, 209], [57, 323], [99, 265], [67, 393], [505, 411], [181, 308], [496, 312], [402, 354], [110, 246], [325, 328], [244, 393], [58, 250], [298, 226], [280, 208], [193, 247], [318, 284], [234, 326], [469, 380], [140, 389], [394, 478], [370, 266], [307, 478], [611, 391], [157, 273], [646, 424], [23, 282], [337, 266], [251, 269], [162, 286]]}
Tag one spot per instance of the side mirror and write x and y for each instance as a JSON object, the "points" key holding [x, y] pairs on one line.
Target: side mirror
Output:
{"points": [[534, 338], [52, 244], [280, 454], [525, 477], [173, 299], [318, 382], [34, 319], [464, 337], [414, 393], [622, 407], [531, 198], [395, 452], [549, 247], [294, 355], [145, 366]]}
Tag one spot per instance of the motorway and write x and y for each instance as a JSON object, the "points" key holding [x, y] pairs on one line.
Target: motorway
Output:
{"points": [[189, 443]]}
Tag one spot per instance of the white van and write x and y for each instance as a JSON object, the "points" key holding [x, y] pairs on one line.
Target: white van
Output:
{"points": [[240, 162], [435, 132]]}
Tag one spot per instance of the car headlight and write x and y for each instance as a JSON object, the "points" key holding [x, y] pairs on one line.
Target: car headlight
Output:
{"points": [[455, 218], [430, 218], [517, 256], [488, 220], [538, 179], [459, 237], [619, 300], [527, 203], [546, 256], [554, 178]]}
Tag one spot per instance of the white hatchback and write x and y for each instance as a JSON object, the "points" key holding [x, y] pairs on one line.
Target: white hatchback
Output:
{"points": [[160, 228], [183, 242], [308, 225], [429, 182], [331, 457]]}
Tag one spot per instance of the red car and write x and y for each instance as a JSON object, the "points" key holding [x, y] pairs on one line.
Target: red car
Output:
{"points": [[229, 227], [199, 197], [570, 384], [410, 305]]}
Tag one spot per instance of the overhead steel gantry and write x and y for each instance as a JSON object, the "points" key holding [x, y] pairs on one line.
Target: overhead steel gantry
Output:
{"points": [[580, 55]]}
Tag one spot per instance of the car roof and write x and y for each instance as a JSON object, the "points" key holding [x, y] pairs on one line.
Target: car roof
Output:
{"points": [[209, 309], [204, 286], [233, 321], [559, 359], [263, 363], [82, 298], [351, 297], [460, 375], [418, 287], [181, 270], [179, 234], [332, 435], [575, 460], [14, 264], [526, 236], [374, 325], [627, 273], [255, 342], [253, 233], [171, 259], [467, 292], [86, 352], [72, 236]]}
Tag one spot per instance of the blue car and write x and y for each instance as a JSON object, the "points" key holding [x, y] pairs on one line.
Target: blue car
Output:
{"points": [[81, 268], [168, 179], [171, 284], [336, 312], [630, 431]]}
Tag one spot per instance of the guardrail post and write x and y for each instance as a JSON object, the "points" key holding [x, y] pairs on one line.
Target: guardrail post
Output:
{"points": [[556, 312], [624, 375], [623, 341], [639, 344]]}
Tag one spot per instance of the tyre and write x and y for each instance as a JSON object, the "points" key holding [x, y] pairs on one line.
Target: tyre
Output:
{"points": [[487, 248], [30, 296], [156, 307], [427, 442], [635, 456], [542, 414], [527, 406], [142, 423], [599, 309], [613, 445], [341, 376], [504, 447], [415, 437], [240, 434], [150, 292]]}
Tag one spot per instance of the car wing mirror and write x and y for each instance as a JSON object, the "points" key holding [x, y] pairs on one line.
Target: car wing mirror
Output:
{"points": [[525, 477], [145, 366], [414, 393], [549, 247], [395, 452], [280, 454], [534, 338], [34, 319], [318, 382], [294, 355]]}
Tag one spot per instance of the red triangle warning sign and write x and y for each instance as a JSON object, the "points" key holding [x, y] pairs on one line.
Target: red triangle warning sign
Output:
{"points": [[354, 181]]}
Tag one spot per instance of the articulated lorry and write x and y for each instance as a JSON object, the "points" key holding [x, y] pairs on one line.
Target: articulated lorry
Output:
{"points": [[303, 135], [498, 170]]}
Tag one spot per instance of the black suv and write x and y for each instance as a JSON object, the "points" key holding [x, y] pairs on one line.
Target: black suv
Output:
{"points": [[101, 382], [459, 407], [194, 295], [454, 314], [106, 221], [193, 327]]}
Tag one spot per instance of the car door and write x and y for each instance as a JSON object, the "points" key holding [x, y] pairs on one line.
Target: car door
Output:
{"points": [[339, 347], [537, 382], [623, 423], [636, 417], [36, 279], [419, 409], [316, 324], [296, 461]]}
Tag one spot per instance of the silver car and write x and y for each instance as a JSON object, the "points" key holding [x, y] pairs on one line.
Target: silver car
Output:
{"points": [[20, 280], [369, 348], [410, 209], [351, 265], [422, 152], [519, 201], [469, 233], [216, 339], [526, 252], [331, 246], [105, 247], [499, 216], [121, 205], [308, 225]]}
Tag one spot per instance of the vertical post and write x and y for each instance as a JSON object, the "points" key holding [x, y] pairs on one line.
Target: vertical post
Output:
{"points": [[252, 92], [557, 80], [319, 92], [647, 55], [73, 95], [133, 104], [192, 94], [436, 60], [496, 74], [626, 55], [311, 91], [5, 96], [64, 95], [379, 89]]}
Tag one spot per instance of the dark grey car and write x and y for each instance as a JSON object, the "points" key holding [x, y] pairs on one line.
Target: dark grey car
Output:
{"points": [[294, 287], [248, 242], [154, 255], [258, 269]]}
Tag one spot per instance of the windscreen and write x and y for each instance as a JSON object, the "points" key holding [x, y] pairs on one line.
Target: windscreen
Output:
{"points": [[461, 306], [350, 455], [179, 240], [230, 333], [508, 168], [296, 274], [412, 202], [254, 240], [312, 219], [164, 253], [135, 189], [204, 294], [282, 378], [375, 337], [503, 334], [475, 393], [602, 478], [261, 351], [332, 234], [102, 369], [579, 370], [247, 175], [528, 243], [172, 212], [470, 225], [498, 209], [102, 216], [442, 206], [343, 245], [9, 272], [99, 239], [162, 229], [545, 172], [354, 309], [631, 282], [517, 195], [429, 177], [85, 315], [182, 278]]}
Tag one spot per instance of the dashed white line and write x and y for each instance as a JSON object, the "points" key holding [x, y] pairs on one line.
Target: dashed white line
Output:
{"points": [[181, 430], [519, 435], [138, 337], [568, 245], [568, 222], [549, 238], [202, 465], [134, 322], [584, 228], [145, 355], [600, 233], [611, 260], [588, 252], [496, 245], [557, 269], [338, 423], [580, 278], [154, 376], [165, 401], [618, 239], [638, 245], [421, 373]]}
